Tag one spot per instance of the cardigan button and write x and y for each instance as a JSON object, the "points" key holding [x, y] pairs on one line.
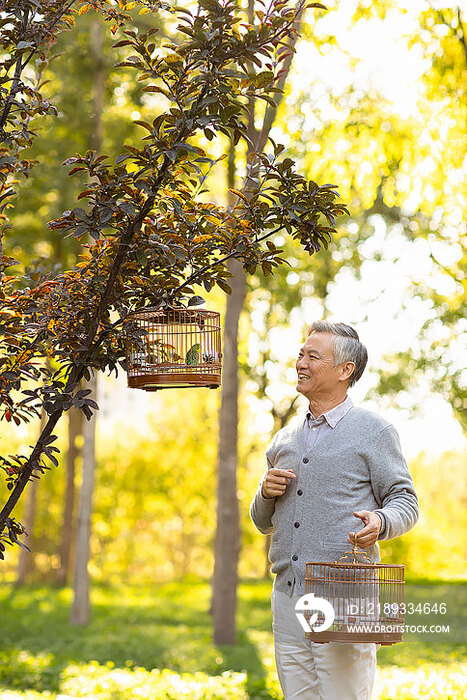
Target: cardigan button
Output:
{"points": [[299, 492], [297, 524], [289, 583], [305, 460], [294, 558]]}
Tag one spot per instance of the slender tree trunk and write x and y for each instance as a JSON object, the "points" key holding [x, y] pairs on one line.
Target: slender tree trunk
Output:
{"points": [[227, 545], [81, 607], [75, 429]]}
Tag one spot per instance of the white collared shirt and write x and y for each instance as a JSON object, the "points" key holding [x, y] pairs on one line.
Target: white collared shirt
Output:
{"points": [[316, 428]]}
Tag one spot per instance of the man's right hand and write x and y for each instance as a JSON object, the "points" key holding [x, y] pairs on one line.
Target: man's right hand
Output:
{"points": [[276, 482]]}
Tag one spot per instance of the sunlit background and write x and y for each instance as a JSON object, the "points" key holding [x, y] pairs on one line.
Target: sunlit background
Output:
{"points": [[365, 108], [376, 104]]}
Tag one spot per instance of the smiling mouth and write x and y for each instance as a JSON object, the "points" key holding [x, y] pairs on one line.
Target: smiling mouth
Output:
{"points": [[303, 377]]}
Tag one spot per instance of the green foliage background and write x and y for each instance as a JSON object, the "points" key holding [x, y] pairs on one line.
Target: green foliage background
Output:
{"points": [[154, 516], [154, 504]]}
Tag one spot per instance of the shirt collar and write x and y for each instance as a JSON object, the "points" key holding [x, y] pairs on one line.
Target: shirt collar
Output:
{"points": [[334, 415]]}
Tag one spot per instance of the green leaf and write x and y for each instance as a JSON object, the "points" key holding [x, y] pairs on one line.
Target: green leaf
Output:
{"points": [[144, 124], [196, 301], [224, 286]]}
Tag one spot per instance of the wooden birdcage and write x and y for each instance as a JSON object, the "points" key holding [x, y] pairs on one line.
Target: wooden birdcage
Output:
{"points": [[367, 599], [180, 348]]}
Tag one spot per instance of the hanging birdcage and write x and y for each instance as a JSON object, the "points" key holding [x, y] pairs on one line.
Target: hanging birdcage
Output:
{"points": [[367, 599], [180, 348]]}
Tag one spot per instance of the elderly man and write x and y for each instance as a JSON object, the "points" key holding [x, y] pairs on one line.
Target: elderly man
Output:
{"points": [[336, 468]]}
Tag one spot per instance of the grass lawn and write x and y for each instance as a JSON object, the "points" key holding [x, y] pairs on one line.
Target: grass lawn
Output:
{"points": [[155, 643]]}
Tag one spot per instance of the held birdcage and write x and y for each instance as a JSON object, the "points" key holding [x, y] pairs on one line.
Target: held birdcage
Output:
{"points": [[367, 599], [180, 348]]}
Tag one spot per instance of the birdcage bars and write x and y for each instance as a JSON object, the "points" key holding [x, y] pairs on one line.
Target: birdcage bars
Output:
{"points": [[367, 599], [180, 348]]}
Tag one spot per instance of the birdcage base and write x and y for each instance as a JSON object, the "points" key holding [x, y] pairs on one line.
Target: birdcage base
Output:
{"points": [[155, 382], [383, 638]]}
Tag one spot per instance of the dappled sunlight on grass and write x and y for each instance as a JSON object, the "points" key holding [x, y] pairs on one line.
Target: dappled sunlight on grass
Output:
{"points": [[102, 683], [156, 642], [26, 695], [426, 681], [30, 670]]}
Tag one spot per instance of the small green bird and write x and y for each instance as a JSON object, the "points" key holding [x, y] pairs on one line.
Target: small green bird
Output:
{"points": [[193, 354]]}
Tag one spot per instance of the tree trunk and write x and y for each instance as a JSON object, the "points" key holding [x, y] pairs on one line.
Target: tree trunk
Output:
{"points": [[75, 429], [81, 608], [227, 547]]}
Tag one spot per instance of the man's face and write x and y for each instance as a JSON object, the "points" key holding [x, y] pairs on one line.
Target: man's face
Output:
{"points": [[317, 376]]}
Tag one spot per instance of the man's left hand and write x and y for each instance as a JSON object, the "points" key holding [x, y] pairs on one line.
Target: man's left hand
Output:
{"points": [[369, 534]]}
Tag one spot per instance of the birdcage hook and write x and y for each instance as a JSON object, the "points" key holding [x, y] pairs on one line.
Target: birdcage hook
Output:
{"points": [[356, 552]]}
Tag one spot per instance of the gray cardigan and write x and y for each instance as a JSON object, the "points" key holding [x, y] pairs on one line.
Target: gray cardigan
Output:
{"points": [[357, 466]]}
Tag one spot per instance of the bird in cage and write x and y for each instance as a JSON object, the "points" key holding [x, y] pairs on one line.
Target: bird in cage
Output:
{"points": [[193, 354], [210, 357], [162, 352]]}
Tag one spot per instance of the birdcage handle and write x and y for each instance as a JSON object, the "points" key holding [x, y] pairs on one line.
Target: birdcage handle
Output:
{"points": [[355, 552]]}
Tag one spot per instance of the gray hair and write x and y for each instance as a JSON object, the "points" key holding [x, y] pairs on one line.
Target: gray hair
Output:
{"points": [[347, 346]]}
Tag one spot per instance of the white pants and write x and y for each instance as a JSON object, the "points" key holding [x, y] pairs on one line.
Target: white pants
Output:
{"points": [[311, 671]]}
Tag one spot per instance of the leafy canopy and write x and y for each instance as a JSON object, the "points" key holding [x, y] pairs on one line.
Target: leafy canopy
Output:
{"points": [[152, 234]]}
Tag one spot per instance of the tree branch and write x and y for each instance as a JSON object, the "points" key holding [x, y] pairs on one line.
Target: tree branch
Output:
{"points": [[20, 66], [78, 371], [234, 253], [271, 112]]}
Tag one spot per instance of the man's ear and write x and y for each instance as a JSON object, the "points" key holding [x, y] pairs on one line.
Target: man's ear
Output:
{"points": [[347, 369]]}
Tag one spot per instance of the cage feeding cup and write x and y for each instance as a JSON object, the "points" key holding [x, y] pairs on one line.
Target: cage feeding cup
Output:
{"points": [[180, 348], [367, 599]]}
